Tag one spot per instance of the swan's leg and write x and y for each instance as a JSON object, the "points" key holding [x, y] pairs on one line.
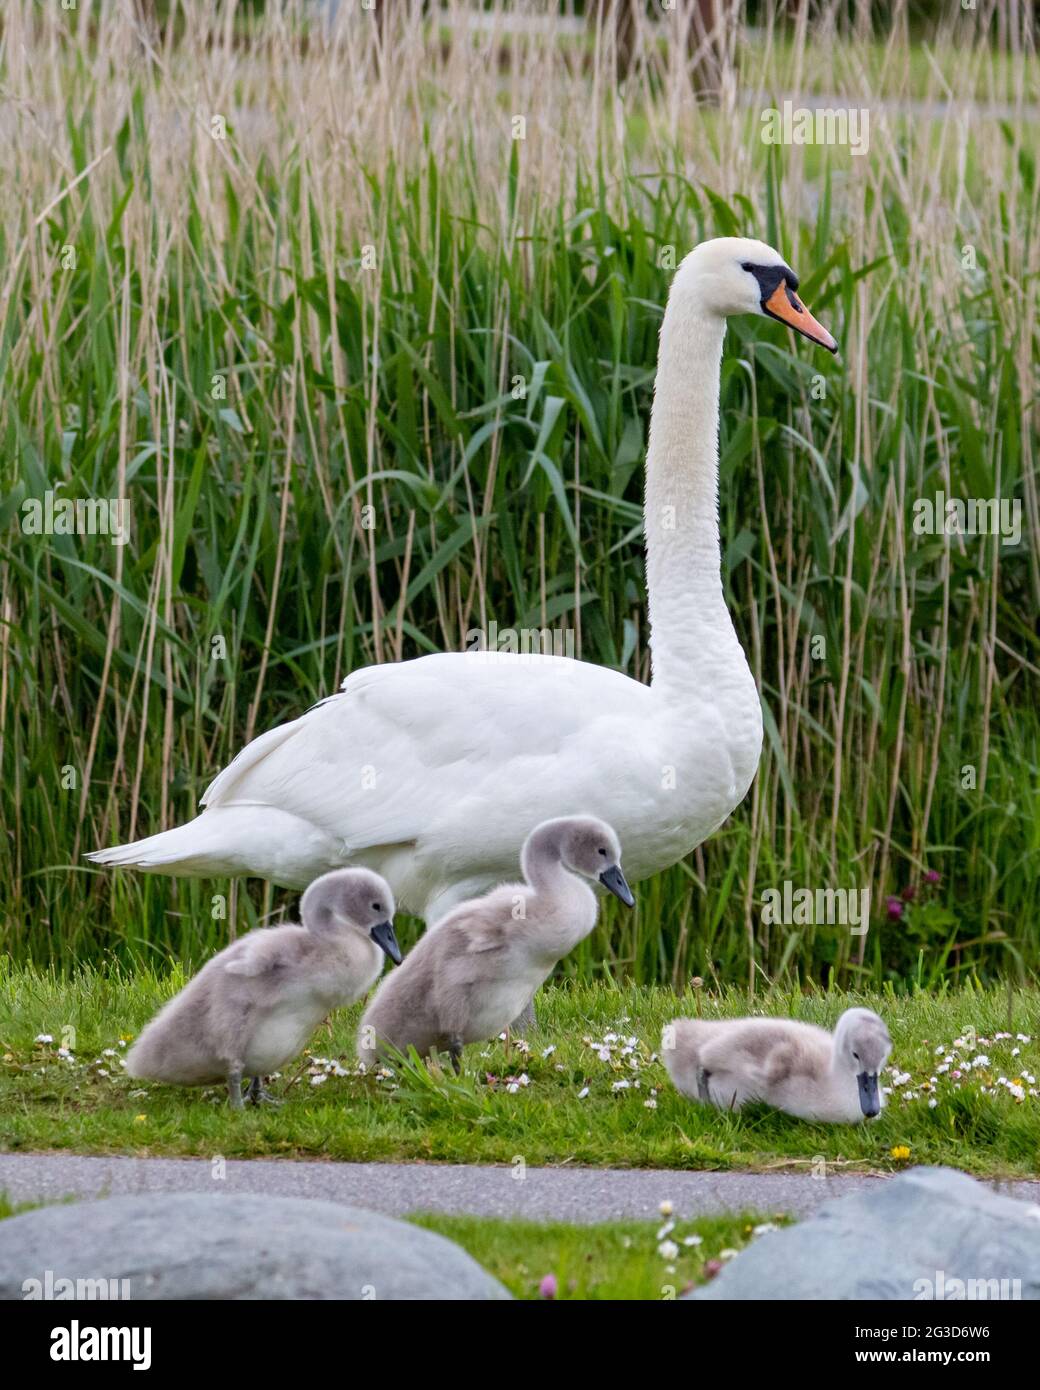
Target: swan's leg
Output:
{"points": [[526, 1020], [258, 1093], [702, 1084], [234, 1086], [455, 1053]]}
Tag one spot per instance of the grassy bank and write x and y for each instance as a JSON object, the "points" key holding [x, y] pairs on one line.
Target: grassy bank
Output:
{"points": [[372, 365], [586, 1087], [619, 1259], [559, 1261]]}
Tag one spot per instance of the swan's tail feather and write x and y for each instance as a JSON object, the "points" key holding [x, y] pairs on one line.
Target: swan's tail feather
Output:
{"points": [[232, 842], [189, 850]]}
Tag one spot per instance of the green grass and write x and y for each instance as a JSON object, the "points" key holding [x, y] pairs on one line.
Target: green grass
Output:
{"points": [[216, 351], [48, 1103], [612, 1260], [9, 1208], [605, 1260]]}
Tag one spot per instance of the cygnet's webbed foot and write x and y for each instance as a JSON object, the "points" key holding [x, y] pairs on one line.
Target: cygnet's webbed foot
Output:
{"points": [[259, 1095]]}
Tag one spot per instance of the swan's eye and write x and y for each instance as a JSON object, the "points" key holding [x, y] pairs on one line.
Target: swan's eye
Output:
{"points": [[856, 1055], [377, 907], [604, 853]]}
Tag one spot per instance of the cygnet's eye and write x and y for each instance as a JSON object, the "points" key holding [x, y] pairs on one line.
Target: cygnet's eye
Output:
{"points": [[856, 1055], [377, 907], [604, 853]]}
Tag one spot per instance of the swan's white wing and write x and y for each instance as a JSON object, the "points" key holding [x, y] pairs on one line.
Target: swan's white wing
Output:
{"points": [[376, 764]]}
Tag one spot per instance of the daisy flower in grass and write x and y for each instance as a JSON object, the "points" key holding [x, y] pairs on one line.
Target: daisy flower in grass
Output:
{"points": [[970, 1063]]}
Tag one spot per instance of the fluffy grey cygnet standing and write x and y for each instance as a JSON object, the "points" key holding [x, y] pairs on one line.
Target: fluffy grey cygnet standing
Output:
{"points": [[793, 1066], [473, 972], [253, 1006]]}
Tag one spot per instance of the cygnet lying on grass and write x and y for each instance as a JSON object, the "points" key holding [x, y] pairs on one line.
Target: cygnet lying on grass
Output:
{"points": [[793, 1066]]}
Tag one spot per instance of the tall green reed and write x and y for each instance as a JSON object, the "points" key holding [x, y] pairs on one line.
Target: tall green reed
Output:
{"points": [[373, 372]]}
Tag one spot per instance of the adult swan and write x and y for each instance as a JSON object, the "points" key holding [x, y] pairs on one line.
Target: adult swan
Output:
{"points": [[432, 772]]}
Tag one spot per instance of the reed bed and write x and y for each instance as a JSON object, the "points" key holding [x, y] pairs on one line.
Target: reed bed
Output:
{"points": [[358, 311]]}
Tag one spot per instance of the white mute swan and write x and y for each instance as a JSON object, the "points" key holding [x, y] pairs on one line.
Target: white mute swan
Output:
{"points": [[471, 977], [433, 771], [793, 1066], [254, 1005]]}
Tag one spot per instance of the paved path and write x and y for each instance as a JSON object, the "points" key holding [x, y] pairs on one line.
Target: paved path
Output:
{"points": [[563, 1194]]}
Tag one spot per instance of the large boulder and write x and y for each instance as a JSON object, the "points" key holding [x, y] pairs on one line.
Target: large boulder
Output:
{"points": [[199, 1246], [913, 1237]]}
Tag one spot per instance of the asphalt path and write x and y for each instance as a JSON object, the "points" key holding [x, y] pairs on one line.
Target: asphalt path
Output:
{"points": [[582, 1195]]}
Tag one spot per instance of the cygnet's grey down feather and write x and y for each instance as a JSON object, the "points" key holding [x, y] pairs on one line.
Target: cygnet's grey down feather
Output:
{"points": [[474, 972], [793, 1066], [253, 1006]]}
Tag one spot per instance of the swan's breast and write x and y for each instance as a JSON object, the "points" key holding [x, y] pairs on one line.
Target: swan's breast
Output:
{"points": [[499, 1003], [279, 1035]]}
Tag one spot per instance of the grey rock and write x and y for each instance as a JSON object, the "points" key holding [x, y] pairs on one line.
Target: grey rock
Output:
{"points": [[908, 1238], [237, 1247]]}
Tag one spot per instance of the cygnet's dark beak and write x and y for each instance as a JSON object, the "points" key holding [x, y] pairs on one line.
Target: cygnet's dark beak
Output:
{"points": [[614, 881], [869, 1095], [383, 935]]}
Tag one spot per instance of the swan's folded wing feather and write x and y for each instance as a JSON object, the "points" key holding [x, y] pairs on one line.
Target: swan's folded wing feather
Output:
{"points": [[227, 788], [470, 973], [264, 951], [763, 1054], [743, 1049], [417, 734], [479, 926]]}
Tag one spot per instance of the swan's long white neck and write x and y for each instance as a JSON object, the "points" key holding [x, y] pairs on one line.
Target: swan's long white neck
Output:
{"points": [[692, 638]]}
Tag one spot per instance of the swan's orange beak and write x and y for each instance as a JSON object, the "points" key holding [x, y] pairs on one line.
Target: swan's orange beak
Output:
{"points": [[784, 304]]}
